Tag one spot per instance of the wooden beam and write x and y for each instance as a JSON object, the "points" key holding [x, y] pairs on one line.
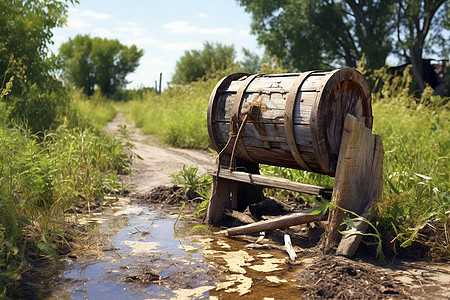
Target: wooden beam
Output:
{"points": [[278, 222], [273, 182], [358, 182]]}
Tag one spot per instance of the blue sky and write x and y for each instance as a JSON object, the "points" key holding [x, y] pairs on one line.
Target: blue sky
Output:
{"points": [[164, 29]]}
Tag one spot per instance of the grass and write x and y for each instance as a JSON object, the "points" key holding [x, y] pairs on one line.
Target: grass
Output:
{"points": [[96, 109], [416, 139], [43, 175]]}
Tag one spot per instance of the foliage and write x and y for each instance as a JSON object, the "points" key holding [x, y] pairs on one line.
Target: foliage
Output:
{"points": [[41, 180], [420, 30], [194, 183], [251, 63], [389, 88], [41, 177], [26, 32], [351, 229], [312, 34], [37, 100], [96, 61], [416, 142], [95, 109], [195, 64], [317, 34]]}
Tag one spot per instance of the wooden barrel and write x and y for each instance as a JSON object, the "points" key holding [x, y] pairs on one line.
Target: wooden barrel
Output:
{"points": [[291, 120]]}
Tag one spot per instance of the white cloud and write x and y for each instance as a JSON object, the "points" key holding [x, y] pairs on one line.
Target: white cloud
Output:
{"points": [[179, 46], [180, 27], [153, 62], [143, 41], [58, 39], [220, 31], [203, 16], [131, 24], [103, 33], [184, 27], [89, 14], [244, 33], [76, 23], [134, 31]]}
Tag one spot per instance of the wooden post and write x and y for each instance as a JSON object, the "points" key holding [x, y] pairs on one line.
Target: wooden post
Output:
{"points": [[226, 193], [358, 182], [223, 195]]}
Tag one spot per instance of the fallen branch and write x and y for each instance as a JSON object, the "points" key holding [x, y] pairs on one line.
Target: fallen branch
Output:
{"points": [[279, 222], [244, 218]]}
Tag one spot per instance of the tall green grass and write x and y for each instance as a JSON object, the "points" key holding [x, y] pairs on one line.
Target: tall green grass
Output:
{"points": [[45, 174], [96, 109]]}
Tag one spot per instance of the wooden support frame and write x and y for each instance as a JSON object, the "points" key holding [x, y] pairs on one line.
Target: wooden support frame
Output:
{"points": [[232, 194], [273, 182], [358, 184]]}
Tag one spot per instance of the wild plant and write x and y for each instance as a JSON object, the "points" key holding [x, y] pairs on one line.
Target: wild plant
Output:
{"points": [[193, 183], [351, 228]]}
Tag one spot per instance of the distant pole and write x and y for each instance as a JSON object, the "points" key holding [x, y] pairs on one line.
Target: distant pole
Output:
{"points": [[160, 80], [156, 86]]}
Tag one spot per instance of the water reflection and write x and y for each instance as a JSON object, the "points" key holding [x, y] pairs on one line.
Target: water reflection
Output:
{"points": [[192, 264]]}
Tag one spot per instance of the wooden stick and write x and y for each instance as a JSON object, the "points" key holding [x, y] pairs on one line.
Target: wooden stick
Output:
{"points": [[274, 182], [279, 222], [244, 218]]}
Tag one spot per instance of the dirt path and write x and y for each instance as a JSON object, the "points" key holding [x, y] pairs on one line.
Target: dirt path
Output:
{"points": [[158, 162]]}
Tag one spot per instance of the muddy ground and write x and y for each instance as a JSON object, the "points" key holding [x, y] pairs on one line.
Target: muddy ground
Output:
{"points": [[313, 275]]}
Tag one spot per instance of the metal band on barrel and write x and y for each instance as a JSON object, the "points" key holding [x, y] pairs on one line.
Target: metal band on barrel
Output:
{"points": [[289, 120], [235, 111]]}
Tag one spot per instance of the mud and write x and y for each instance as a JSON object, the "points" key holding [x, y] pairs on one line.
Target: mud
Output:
{"points": [[334, 277]]}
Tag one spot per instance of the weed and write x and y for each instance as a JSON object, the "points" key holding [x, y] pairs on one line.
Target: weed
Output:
{"points": [[95, 109], [351, 229], [194, 184]]}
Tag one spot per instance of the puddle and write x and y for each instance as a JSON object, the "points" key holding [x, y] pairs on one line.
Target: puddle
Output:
{"points": [[148, 259]]}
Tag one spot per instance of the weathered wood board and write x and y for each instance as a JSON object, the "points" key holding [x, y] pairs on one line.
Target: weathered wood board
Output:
{"points": [[359, 180]]}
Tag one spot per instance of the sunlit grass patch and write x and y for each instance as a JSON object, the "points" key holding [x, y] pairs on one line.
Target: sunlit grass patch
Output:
{"points": [[95, 109]]}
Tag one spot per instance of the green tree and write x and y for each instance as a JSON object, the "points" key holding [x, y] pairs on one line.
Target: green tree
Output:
{"points": [[195, 64], [308, 34], [251, 62], [37, 98], [96, 61], [415, 22]]}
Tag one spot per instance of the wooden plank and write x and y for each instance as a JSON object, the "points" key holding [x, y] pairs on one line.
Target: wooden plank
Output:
{"points": [[348, 246], [275, 223], [358, 181], [273, 182], [223, 195]]}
